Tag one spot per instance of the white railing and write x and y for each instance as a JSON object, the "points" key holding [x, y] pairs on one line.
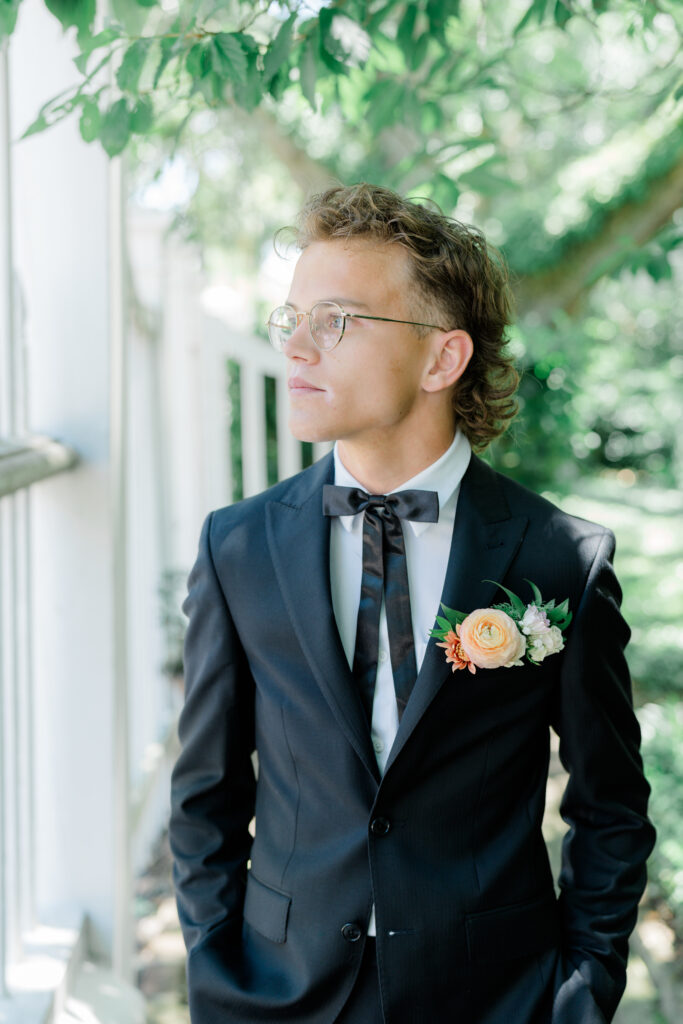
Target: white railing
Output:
{"points": [[194, 353]]}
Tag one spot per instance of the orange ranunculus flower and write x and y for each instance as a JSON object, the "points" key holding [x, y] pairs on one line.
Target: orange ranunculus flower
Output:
{"points": [[455, 654], [491, 639]]}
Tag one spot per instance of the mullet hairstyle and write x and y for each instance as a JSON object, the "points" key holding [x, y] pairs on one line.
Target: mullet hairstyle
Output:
{"points": [[460, 280]]}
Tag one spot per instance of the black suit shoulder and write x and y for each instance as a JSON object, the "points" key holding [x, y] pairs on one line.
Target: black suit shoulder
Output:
{"points": [[558, 548], [239, 528]]}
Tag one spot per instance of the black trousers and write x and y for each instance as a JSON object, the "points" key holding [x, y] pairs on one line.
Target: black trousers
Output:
{"points": [[364, 1004]]}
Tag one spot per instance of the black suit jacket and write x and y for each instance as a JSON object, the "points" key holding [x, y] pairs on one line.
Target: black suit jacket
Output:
{"points": [[448, 843]]}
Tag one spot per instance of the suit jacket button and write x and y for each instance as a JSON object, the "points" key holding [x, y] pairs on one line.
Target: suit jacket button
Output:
{"points": [[380, 826], [351, 932]]}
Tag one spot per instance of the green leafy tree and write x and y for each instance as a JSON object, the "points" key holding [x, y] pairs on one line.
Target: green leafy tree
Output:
{"points": [[555, 124]]}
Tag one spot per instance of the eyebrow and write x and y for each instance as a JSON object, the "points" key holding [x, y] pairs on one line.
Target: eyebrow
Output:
{"points": [[343, 302], [350, 302]]}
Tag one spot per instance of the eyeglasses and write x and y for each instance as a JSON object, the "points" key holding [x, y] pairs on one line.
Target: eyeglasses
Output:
{"points": [[326, 322]]}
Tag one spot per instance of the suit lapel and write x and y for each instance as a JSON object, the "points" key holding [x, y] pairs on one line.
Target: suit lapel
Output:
{"points": [[485, 539], [299, 541]]}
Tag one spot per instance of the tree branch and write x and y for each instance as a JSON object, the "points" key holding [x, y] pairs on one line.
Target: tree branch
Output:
{"points": [[633, 224], [309, 174]]}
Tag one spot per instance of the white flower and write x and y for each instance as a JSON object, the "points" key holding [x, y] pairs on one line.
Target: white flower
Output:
{"points": [[540, 645], [534, 621]]}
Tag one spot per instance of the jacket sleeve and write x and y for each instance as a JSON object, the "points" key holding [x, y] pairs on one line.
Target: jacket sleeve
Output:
{"points": [[213, 783], [605, 803]]}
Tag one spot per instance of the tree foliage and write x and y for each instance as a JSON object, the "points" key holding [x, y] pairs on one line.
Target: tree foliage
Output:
{"points": [[413, 57], [554, 124]]}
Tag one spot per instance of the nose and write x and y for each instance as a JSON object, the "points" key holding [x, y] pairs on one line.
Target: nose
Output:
{"points": [[300, 344]]}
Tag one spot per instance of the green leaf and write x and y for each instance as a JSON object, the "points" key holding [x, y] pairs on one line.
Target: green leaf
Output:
{"points": [[212, 88], [147, 3], [536, 10], [248, 43], [8, 16], [561, 13], [80, 13], [278, 84], [536, 592], [430, 117], [92, 43], [375, 20], [486, 183], [39, 125], [115, 130], [454, 616], [249, 95], [419, 52], [130, 69], [278, 51], [52, 112], [679, 92], [90, 120], [168, 51], [659, 268], [404, 33], [142, 117], [194, 61], [448, 189], [438, 12], [308, 71], [507, 608], [385, 103], [228, 58], [559, 618], [515, 601], [343, 41], [130, 14], [328, 44], [443, 623]]}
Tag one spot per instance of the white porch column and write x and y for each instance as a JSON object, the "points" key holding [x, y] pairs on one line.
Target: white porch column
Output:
{"points": [[65, 207]]}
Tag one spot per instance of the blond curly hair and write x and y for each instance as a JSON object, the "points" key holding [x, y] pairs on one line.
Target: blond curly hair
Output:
{"points": [[460, 280]]}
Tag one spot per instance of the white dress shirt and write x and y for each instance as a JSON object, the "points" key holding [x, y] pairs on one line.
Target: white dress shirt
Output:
{"points": [[427, 548]]}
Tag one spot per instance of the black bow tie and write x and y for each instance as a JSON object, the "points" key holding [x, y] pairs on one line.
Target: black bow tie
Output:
{"points": [[420, 506], [384, 571]]}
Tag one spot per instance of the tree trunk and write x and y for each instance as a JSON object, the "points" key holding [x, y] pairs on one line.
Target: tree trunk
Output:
{"points": [[565, 285]]}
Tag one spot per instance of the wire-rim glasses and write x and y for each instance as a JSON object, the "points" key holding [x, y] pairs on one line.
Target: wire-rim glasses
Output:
{"points": [[326, 322]]}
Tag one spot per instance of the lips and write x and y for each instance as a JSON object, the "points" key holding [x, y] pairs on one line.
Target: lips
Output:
{"points": [[299, 384]]}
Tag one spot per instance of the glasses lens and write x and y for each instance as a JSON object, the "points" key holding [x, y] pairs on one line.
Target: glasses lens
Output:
{"points": [[327, 324], [281, 326]]}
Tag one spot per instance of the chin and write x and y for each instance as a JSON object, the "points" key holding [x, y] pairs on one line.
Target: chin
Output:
{"points": [[311, 432]]}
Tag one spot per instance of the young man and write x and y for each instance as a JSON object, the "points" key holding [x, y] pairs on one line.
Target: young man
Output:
{"points": [[398, 871]]}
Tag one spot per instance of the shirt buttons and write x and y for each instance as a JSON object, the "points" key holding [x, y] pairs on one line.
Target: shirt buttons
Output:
{"points": [[383, 656], [378, 744]]}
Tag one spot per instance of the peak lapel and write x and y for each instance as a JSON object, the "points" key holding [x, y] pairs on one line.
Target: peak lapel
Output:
{"points": [[299, 541], [485, 539]]}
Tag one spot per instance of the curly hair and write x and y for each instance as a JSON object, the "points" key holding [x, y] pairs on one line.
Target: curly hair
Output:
{"points": [[460, 280]]}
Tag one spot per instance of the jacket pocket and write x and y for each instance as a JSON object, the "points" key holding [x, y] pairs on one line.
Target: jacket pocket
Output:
{"points": [[266, 909], [513, 931]]}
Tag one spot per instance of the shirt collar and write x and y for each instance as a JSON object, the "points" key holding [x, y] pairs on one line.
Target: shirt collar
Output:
{"points": [[442, 476]]}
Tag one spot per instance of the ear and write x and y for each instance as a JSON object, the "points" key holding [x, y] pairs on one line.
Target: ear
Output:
{"points": [[450, 354]]}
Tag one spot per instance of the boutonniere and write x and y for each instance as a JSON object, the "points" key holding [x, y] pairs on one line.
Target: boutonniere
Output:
{"points": [[501, 636]]}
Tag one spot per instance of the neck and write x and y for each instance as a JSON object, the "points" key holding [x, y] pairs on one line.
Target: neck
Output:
{"points": [[382, 467]]}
